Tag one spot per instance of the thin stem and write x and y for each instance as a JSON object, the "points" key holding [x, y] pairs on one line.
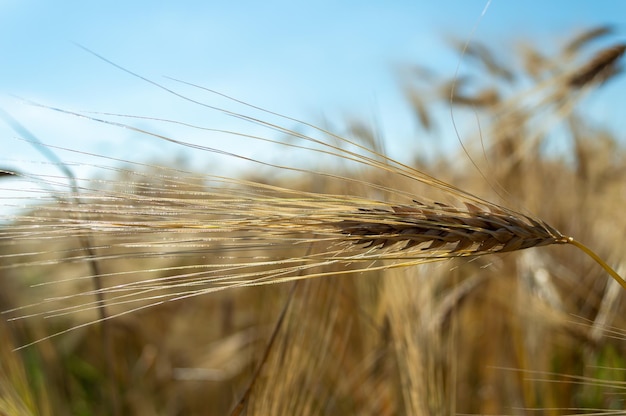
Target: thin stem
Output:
{"points": [[598, 260]]}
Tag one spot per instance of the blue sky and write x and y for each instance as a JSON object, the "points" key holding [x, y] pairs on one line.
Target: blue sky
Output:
{"points": [[315, 60]]}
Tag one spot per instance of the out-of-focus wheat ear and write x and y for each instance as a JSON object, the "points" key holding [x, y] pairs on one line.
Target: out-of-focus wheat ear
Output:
{"points": [[582, 39], [484, 56], [419, 108], [534, 61], [600, 68], [483, 98]]}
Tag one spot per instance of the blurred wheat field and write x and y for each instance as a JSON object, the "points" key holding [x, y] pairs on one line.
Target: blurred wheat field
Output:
{"points": [[153, 289]]}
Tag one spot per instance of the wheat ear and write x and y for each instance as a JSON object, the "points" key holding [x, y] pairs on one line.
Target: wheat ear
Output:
{"points": [[455, 232], [600, 67]]}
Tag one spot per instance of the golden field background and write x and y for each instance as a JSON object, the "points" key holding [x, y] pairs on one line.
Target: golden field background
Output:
{"points": [[540, 331]]}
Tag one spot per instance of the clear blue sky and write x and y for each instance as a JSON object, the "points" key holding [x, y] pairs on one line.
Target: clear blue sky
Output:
{"points": [[307, 59]]}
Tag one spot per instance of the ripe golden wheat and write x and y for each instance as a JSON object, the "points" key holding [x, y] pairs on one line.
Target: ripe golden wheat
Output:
{"points": [[252, 233], [144, 235]]}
